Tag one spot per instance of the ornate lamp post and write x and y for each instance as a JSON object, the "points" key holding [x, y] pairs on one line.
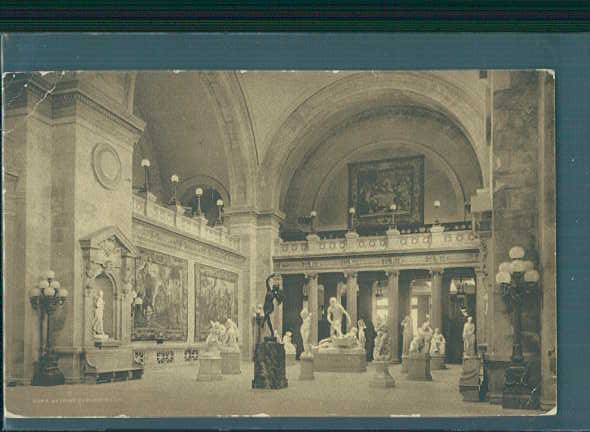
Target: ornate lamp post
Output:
{"points": [[517, 279], [174, 180], [436, 206], [351, 220], [46, 298], [198, 194], [145, 163], [219, 207], [312, 217]]}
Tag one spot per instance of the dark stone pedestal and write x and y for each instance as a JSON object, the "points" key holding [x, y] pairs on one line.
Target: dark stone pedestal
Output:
{"points": [[469, 382], [518, 393], [46, 372], [382, 378], [108, 362], [210, 367], [269, 365], [418, 367]]}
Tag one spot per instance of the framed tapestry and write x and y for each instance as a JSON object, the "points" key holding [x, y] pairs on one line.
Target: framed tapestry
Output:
{"points": [[160, 310], [375, 185], [216, 298]]}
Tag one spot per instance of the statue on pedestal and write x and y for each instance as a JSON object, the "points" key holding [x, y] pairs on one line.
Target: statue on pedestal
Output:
{"points": [[438, 344], [382, 350], [426, 332], [230, 336], [469, 338], [407, 335], [305, 331], [361, 333], [272, 293], [334, 315], [98, 321]]}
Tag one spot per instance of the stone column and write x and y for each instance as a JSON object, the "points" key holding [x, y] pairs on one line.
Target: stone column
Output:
{"points": [[437, 301], [393, 283], [351, 300], [312, 301]]}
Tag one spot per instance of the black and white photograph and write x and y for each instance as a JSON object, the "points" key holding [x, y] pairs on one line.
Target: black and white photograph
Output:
{"points": [[283, 243]]}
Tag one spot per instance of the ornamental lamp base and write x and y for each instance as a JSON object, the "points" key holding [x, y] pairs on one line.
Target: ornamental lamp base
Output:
{"points": [[46, 372]]}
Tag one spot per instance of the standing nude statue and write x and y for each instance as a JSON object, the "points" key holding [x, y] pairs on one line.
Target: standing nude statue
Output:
{"points": [[469, 338], [407, 335], [335, 312], [305, 331]]}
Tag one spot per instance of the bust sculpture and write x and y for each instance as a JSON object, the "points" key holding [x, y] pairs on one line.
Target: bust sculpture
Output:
{"points": [[288, 343], [305, 331], [438, 344], [98, 321], [469, 338], [334, 315]]}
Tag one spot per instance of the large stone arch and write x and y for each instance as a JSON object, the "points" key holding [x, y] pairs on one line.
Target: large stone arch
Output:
{"points": [[296, 138], [235, 125]]}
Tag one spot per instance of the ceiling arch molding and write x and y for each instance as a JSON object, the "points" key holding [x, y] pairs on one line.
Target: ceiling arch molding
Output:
{"points": [[298, 135]]}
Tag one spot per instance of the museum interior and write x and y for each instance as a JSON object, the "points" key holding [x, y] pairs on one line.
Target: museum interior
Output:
{"points": [[396, 230]]}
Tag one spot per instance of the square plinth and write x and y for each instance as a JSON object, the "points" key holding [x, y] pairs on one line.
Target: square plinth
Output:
{"points": [[209, 368], [230, 362], [437, 362], [339, 360], [419, 367]]}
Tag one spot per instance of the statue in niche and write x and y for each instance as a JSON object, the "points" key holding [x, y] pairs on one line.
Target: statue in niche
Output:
{"points": [[305, 331], [407, 334], [438, 344], [230, 336], [469, 338], [98, 322], [272, 293], [334, 315], [288, 343], [382, 351]]}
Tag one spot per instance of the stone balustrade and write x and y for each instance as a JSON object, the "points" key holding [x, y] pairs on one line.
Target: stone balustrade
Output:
{"points": [[194, 226], [404, 243]]}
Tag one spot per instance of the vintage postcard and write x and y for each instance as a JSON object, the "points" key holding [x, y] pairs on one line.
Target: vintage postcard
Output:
{"points": [[284, 243]]}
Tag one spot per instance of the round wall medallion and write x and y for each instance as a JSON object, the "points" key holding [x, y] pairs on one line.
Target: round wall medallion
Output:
{"points": [[107, 165]]}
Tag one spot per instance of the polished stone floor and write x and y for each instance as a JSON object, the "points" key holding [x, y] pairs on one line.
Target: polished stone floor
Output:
{"points": [[175, 392]]}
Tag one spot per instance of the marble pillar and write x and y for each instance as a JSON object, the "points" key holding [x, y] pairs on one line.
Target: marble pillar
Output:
{"points": [[313, 302], [437, 301], [351, 299], [394, 320]]}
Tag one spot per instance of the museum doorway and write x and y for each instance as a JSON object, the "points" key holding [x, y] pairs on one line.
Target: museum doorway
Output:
{"points": [[461, 304]]}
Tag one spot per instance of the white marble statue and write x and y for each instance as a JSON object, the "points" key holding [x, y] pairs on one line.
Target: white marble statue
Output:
{"points": [[98, 321], [438, 344], [407, 335], [288, 343], [426, 332], [305, 331], [382, 350], [335, 312], [417, 345], [215, 336], [230, 336], [469, 338]]}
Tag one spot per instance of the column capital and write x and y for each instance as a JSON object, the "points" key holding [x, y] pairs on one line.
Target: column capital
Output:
{"points": [[436, 271], [392, 273], [350, 274], [311, 275]]}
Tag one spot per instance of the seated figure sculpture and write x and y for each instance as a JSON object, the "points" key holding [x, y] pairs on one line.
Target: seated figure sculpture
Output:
{"points": [[438, 344], [288, 343], [230, 336]]}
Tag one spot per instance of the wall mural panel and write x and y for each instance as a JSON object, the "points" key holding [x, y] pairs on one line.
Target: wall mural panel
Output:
{"points": [[161, 306], [375, 185], [216, 298]]}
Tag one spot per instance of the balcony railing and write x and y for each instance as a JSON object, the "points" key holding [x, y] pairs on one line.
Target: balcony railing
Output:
{"points": [[196, 227], [410, 242]]}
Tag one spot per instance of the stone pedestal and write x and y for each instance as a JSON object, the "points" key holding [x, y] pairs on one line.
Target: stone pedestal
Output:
{"points": [[230, 362], [437, 362], [306, 362], [469, 382], [419, 367], [381, 378], [46, 372], [108, 362], [210, 367], [269, 365], [518, 393], [290, 359], [339, 360], [404, 364]]}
